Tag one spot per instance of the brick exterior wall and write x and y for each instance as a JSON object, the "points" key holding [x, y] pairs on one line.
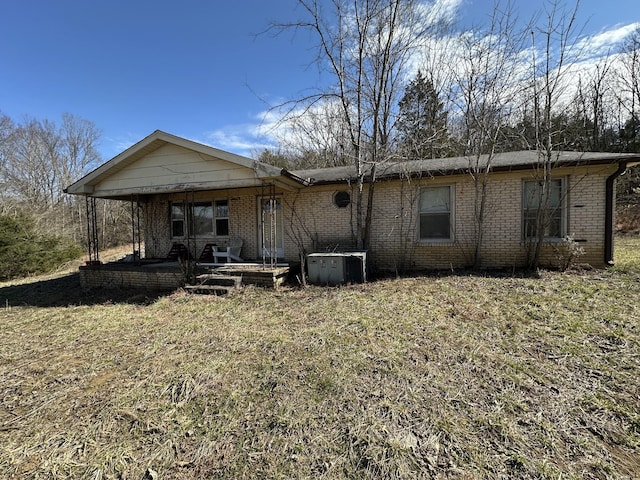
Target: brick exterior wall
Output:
{"points": [[157, 233], [106, 276], [313, 222]]}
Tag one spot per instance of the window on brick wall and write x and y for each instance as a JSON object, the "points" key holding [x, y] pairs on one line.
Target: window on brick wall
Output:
{"points": [[552, 217], [221, 213], [436, 213], [201, 218]]}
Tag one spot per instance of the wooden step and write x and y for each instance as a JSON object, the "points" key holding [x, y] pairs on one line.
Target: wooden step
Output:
{"points": [[215, 289], [215, 283], [218, 279]]}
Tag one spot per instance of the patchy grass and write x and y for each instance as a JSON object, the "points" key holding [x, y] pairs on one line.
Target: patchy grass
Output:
{"points": [[628, 254], [460, 376]]}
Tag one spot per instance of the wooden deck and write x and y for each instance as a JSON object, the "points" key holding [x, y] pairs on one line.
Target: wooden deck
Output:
{"points": [[253, 274]]}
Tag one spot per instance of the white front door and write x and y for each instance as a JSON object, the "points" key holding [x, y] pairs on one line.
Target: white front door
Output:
{"points": [[271, 227]]}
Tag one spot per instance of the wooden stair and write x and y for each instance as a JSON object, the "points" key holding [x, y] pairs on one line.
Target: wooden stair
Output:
{"points": [[215, 283]]}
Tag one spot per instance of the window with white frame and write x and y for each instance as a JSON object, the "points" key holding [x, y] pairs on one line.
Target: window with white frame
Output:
{"points": [[178, 219], [203, 219], [543, 207], [221, 213], [436, 213]]}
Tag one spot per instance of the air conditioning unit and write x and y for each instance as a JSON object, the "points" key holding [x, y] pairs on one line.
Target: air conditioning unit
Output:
{"points": [[337, 268]]}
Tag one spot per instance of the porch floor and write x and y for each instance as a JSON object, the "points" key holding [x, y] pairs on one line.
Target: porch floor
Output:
{"points": [[152, 274], [252, 274]]}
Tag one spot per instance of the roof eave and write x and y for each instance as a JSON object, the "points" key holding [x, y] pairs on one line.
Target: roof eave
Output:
{"points": [[615, 159]]}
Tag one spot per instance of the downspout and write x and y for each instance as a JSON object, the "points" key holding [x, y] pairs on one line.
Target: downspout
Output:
{"points": [[609, 211]]}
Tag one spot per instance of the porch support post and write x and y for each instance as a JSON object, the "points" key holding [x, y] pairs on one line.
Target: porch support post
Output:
{"points": [[272, 234], [135, 228], [92, 230]]}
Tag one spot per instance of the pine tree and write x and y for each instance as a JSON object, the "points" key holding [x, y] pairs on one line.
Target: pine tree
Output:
{"points": [[422, 123]]}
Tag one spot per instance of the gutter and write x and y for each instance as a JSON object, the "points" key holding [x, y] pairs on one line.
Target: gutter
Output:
{"points": [[609, 212], [449, 171], [287, 174]]}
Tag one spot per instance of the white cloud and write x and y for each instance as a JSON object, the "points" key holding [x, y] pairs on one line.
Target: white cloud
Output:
{"points": [[593, 53], [248, 139], [267, 130], [607, 41], [238, 139], [444, 10]]}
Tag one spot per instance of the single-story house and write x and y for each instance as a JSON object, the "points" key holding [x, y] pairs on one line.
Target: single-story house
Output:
{"points": [[196, 196]]}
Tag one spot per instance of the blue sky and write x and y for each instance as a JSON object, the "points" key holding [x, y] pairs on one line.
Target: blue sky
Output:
{"points": [[195, 68]]}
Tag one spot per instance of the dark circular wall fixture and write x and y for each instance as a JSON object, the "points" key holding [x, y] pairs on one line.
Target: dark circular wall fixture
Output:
{"points": [[342, 199]]}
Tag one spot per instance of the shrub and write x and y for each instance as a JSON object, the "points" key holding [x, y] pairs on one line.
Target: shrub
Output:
{"points": [[25, 252], [568, 251]]}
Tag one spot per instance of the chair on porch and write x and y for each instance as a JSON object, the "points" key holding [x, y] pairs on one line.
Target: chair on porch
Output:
{"points": [[234, 248], [231, 253]]}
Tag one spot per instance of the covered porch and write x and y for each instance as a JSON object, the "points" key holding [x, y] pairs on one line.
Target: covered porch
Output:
{"points": [[197, 214]]}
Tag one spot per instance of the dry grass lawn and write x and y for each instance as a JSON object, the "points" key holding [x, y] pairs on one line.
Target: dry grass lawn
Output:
{"points": [[458, 376]]}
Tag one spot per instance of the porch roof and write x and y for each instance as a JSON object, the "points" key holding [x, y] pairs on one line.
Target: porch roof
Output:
{"points": [[165, 163]]}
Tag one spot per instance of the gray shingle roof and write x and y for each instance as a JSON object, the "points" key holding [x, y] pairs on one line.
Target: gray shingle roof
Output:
{"points": [[509, 161]]}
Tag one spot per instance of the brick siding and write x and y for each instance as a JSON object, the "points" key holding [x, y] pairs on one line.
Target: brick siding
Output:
{"points": [[107, 276], [314, 223]]}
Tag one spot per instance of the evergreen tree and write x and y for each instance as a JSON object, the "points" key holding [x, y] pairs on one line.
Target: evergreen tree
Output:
{"points": [[422, 123], [629, 135]]}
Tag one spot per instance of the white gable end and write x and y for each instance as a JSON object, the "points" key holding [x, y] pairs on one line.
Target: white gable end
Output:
{"points": [[172, 167], [164, 163]]}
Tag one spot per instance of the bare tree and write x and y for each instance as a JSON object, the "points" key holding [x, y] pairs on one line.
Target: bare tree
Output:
{"points": [[316, 139], [40, 159], [559, 34], [628, 89], [79, 141], [366, 47], [487, 78], [594, 112], [6, 132]]}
